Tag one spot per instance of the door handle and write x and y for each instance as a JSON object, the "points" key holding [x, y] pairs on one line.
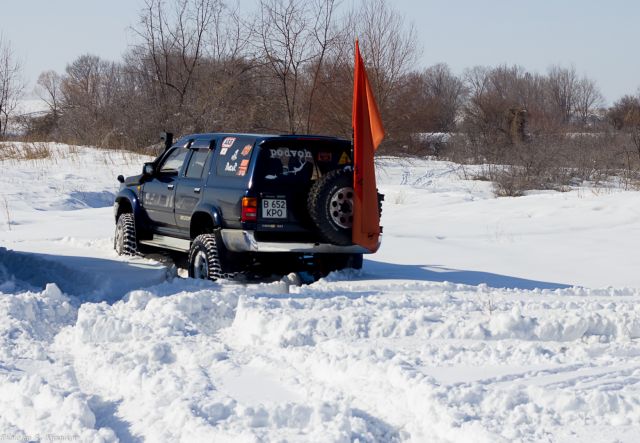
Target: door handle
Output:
{"points": [[170, 186], [196, 190]]}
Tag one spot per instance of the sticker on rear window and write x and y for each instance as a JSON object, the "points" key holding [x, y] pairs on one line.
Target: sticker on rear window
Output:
{"points": [[228, 142], [286, 152], [223, 151], [324, 156], [344, 159], [242, 170], [246, 150]]}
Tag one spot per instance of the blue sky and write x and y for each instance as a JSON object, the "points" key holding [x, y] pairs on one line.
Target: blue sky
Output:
{"points": [[598, 38]]}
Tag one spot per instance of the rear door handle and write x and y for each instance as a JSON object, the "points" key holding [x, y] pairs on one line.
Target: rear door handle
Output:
{"points": [[170, 186], [196, 190]]}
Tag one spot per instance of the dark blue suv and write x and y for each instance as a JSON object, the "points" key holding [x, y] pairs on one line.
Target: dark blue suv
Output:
{"points": [[236, 202]]}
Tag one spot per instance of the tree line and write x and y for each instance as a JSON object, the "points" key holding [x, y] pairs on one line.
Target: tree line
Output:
{"points": [[201, 65]]}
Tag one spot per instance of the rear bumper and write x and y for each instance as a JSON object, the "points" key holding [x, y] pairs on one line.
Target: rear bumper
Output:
{"points": [[244, 241]]}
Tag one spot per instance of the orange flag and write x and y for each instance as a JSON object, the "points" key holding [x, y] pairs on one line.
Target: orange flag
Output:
{"points": [[367, 135]]}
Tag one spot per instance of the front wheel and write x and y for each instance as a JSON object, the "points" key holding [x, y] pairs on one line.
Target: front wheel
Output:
{"points": [[125, 241]]}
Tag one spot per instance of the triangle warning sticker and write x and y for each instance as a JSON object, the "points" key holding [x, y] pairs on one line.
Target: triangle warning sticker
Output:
{"points": [[344, 159]]}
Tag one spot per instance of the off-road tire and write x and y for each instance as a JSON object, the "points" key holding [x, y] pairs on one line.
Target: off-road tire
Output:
{"points": [[209, 251], [338, 262], [319, 204], [205, 258], [330, 206], [125, 241], [355, 261], [323, 264]]}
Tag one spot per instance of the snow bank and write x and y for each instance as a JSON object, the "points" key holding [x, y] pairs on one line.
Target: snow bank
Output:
{"points": [[162, 344], [446, 362], [21, 271], [34, 411], [32, 408], [342, 310], [30, 320]]}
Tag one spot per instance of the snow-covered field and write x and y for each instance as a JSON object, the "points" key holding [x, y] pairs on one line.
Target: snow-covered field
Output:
{"points": [[480, 319]]}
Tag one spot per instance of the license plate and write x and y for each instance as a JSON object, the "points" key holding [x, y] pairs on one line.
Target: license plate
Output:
{"points": [[274, 208]]}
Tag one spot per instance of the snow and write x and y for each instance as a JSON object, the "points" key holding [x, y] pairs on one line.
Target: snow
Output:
{"points": [[480, 319]]}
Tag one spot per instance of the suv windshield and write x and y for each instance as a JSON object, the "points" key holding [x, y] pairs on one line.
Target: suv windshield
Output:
{"points": [[174, 161]]}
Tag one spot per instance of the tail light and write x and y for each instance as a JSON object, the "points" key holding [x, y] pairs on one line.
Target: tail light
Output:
{"points": [[249, 209]]}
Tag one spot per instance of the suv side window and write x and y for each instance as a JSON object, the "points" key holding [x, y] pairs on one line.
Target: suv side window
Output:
{"points": [[234, 156], [173, 162], [197, 162]]}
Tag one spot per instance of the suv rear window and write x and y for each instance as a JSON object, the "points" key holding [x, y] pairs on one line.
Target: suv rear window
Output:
{"points": [[302, 160], [287, 163], [234, 156]]}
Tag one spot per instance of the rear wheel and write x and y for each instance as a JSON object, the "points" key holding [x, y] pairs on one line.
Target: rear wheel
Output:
{"points": [[327, 263], [355, 261], [125, 241], [204, 258], [210, 259]]}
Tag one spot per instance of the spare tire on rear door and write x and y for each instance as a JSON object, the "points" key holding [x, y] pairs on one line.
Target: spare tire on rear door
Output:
{"points": [[330, 206]]}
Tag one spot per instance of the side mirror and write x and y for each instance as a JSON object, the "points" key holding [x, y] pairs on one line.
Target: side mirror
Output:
{"points": [[148, 169], [121, 178]]}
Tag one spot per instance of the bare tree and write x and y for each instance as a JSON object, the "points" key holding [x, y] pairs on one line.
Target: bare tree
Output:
{"points": [[506, 106], [446, 93], [48, 89], [191, 53], [90, 98], [293, 38], [81, 85], [492, 93], [426, 101], [624, 116], [563, 87], [174, 41], [228, 36], [632, 125], [325, 38], [619, 112], [11, 84], [225, 78], [588, 100], [388, 44]]}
